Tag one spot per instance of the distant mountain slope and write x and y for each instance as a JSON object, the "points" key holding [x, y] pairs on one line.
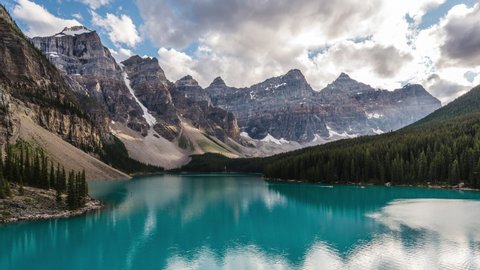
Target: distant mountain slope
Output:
{"points": [[464, 105], [287, 108], [153, 117], [444, 147], [441, 149]]}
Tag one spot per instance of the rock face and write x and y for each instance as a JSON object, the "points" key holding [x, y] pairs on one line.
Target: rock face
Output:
{"points": [[41, 204], [194, 104], [173, 103], [71, 85], [190, 88], [91, 70], [286, 107], [153, 89], [29, 82], [94, 74]]}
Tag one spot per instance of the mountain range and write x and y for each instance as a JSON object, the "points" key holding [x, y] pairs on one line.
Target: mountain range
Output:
{"points": [[70, 85], [287, 108]]}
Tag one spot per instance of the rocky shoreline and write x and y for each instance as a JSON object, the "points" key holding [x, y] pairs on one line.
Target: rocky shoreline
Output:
{"points": [[39, 204]]}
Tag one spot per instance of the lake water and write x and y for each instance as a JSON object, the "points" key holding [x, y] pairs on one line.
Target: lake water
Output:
{"points": [[215, 221]]}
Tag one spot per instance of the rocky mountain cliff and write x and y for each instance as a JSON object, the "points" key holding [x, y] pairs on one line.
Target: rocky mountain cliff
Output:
{"points": [[152, 89], [38, 106], [94, 74], [173, 103], [135, 95], [287, 108], [30, 84]]}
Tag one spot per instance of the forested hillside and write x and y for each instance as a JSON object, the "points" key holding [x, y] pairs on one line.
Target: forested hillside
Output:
{"points": [[27, 165], [442, 148]]}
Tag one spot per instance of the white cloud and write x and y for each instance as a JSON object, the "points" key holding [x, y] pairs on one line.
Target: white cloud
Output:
{"points": [[449, 50], [377, 42], [120, 29], [77, 16], [121, 54], [39, 21], [94, 4], [176, 64]]}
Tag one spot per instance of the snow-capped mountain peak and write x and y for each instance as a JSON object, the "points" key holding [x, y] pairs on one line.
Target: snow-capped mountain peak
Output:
{"points": [[74, 31]]}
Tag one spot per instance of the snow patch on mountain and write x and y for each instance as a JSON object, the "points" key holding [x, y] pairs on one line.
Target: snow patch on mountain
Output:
{"points": [[146, 114], [245, 135], [270, 138], [73, 31], [374, 115], [275, 86], [52, 54], [334, 134], [378, 131]]}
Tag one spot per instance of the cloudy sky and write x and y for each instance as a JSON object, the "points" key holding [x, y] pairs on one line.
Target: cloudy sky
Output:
{"points": [[385, 43]]}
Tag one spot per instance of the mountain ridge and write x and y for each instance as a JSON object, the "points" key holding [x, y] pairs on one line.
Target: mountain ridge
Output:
{"points": [[345, 106], [428, 151]]}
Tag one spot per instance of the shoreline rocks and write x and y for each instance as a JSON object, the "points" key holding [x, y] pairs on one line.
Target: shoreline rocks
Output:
{"points": [[39, 204]]}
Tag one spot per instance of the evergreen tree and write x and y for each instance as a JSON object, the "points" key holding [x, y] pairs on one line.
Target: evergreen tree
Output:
{"points": [[454, 172], [63, 180], [9, 169], [36, 171], [51, 179], [4, 187], [476, 175], [28, 175], [83, 188], [44, 171], [31, 167], [58, 178], [58, 195], [71, 192]]}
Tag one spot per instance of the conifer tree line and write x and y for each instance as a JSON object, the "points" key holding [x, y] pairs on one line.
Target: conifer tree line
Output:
{"points": [[25, 165], [443, 148], [448, 153]]}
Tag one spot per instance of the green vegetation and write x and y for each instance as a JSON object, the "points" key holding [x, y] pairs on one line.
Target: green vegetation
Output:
{"points": [[185, 143], [77, 190], [212, 162], [116, 155], [26, 165], [443, 148], [222, 148]]}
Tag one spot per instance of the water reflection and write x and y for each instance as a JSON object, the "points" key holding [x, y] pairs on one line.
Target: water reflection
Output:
{"points": [[241, 222]]}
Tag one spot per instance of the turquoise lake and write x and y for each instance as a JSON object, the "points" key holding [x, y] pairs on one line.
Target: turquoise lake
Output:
{"points": [[231, 221]]}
